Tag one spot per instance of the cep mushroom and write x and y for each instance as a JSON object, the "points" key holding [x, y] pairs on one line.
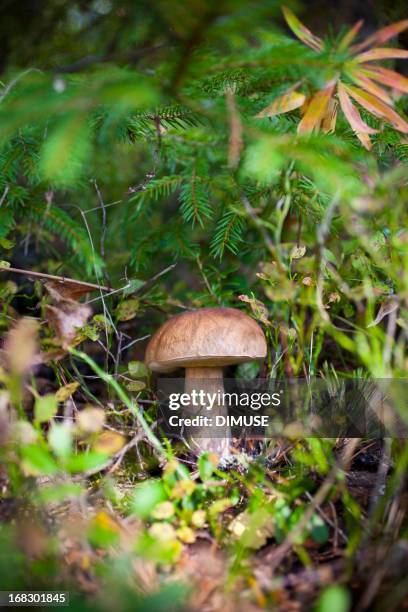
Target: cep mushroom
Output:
{"points": [[202, 342]]}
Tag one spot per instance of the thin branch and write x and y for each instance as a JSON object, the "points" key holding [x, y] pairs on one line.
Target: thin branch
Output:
{"points": [[58, 279]]}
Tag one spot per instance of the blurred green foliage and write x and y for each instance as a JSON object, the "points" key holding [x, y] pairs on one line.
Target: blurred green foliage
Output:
{"points": [[130, 156]]}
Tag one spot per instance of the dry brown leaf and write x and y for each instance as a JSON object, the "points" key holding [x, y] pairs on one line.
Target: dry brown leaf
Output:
{"points": [[109, 442], [67, 319], [66, 391], [386, 308], [21, 346]]}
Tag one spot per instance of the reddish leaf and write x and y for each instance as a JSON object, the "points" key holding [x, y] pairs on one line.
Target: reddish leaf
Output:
{"points": [[382, 35], [386, 77], [283, 104], [381, 53], [350, 35], [371, 87], [301, 31], [377, 107], [316, 109], [352, 115]]}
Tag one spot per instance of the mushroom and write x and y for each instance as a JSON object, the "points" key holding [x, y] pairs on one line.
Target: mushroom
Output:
{"points": [[203, 341]]}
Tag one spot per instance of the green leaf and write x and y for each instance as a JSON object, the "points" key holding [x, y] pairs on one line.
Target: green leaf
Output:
{"points": [[45, 407], [318, 529], [146, 497], [127, 310], [137, 369], [37, 461], [206, 465], [66, 149], [86, 462], [334, 598], [60, 439]]}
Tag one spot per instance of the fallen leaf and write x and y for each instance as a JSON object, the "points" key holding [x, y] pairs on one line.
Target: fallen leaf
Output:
{"points": [[109, 443], [163, 510], [163, 532], [66, 391], [253, 528], [386, 308], [45, 408], [66, 319], [186, 535], [91, 419], [297, 252], [127, 310], [20, 346]]}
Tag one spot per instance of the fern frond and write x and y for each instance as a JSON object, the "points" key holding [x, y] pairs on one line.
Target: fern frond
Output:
{"points": [[59, 223], [195, 204], [157, 189], [228, 234], [145, 124]]}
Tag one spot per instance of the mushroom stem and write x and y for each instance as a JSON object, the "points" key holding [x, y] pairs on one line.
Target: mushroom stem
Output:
{"points": [[208, 383]]}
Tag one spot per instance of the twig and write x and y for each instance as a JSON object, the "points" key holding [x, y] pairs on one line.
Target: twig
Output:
{"points": [[207, 284], [3, 197], [59, 279], [103, 209], [258, 223]]}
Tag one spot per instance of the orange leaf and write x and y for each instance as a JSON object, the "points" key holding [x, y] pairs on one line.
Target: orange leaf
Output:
{"points": [[330, 118], [365, 140], [360, 128], [316, 109], [382, 35], [283, 104], [386, 77], [378, 108], [371, 87], [350, 35], [351, 113], [381, 53], [301, 31]]}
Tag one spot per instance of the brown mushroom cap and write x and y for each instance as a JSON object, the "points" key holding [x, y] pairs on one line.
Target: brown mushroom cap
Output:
{"points": [[205, 337]]}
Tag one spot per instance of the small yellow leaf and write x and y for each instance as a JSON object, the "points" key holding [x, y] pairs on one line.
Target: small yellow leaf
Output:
{"points": [[164, 510], [297, 252], [109, 442], [66, 391], [198, 518], [136, 386], [163, 532], [183, 488], [283, 104], [186, 535], [91, 419]]}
